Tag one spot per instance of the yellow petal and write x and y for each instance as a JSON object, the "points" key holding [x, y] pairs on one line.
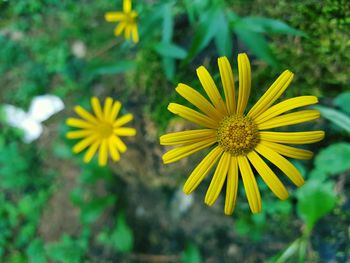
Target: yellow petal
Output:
{"points": [[250, 185], [290, 119], [183, 151], [124, 131], [218, 179], [119, 28], [282, 163], [284, 106], [231, 186], [84, 143], [107, 108], [289, 151], [96, 106], [127, 32], [135, 34], [114, 16], [91, 151], [199, 101], [123, 120], [79, 134], [192, 115], [127, 6], [244, 82], [103, 153], [117, 142], [211, 89], [268, 176], [272, 94], [85, 114], [113, 151], [292, 137], [186, 137], [78, 123], [202, 169], [115, 110], [228, 84]]}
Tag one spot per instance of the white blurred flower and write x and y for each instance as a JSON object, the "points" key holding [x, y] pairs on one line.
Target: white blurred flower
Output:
{"points": [[78, 49], [181, 203], [41, 108]]}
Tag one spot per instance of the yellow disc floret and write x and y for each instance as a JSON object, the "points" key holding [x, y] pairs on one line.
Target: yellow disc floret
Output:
{"points": [[237, 134], [105, 129]]}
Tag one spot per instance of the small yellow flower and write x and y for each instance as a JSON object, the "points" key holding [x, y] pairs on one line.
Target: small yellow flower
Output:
{"points": [[100, 131], [127, 21], [240, 140]]}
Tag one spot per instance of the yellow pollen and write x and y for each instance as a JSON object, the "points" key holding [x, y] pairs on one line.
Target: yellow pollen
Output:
{"points": [[237, 134], [105, 129]]}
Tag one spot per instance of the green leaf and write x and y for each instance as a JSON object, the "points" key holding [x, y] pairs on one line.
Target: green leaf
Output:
{"points": [[170, 50], [149, 23], [268, 25], [191, 11], [93, 172], [122, 235], [92, 210], [120, 66], [205, 32], [36, 252], [168, 62], [343, 102], [315, 200], [61, 150], [295, 252], [195, 7], [191, 254], [318, 174], [67, 250], [168, 23], [279, 207], [169, 68], [223, 37], [338, 118], [16, 257], [257, 44], [252, 226], [334, 159]]}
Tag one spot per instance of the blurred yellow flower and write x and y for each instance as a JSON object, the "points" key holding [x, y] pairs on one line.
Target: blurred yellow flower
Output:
{"points": [[127, 21], [241, 140], [100, 131]]}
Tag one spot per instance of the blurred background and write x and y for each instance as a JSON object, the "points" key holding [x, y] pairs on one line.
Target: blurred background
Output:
{"points": [[55, 208]]}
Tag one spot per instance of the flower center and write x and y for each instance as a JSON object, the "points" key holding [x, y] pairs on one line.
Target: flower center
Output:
{"points": [[131, 17], [237, 134], [105, 129]]}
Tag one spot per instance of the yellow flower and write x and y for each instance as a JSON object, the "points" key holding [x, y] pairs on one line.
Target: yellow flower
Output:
{"points": [[240, 140], [100, 131], [127, 21]]}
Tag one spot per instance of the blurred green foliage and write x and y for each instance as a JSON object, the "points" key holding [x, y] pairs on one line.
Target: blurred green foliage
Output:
{"points": [[24, 191], [191, 254], [321, 60]]}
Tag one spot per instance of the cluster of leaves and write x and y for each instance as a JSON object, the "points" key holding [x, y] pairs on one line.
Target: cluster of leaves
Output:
{"points": [[320, 60], [24, 191]]}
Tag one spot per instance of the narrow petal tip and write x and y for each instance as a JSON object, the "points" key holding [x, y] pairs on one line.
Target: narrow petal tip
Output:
{"points": [[256, 211], [208, 202], [300, 182], [222, 58]]}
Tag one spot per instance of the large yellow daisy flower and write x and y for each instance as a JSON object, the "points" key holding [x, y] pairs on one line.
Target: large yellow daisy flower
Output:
{"points": [[127, 21], [100, 131], [240, 140]]}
